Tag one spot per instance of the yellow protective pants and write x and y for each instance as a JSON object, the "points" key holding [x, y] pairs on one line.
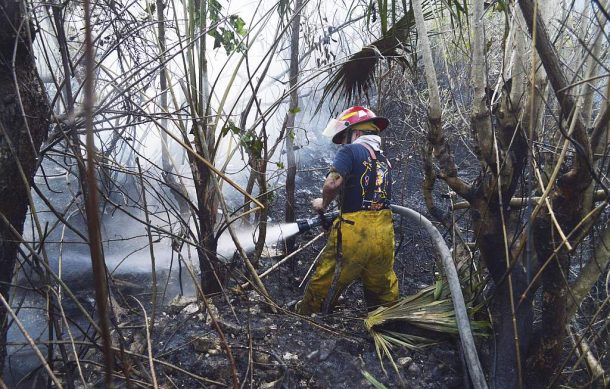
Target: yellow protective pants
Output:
{"points": [[368, 254]]}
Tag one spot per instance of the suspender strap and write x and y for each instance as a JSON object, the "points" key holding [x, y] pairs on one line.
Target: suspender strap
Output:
{"points": [[370, 150], [370, 189], [373, 155]]}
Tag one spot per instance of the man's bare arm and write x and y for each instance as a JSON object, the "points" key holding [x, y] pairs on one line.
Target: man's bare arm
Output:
{"points": [[330, 190]]}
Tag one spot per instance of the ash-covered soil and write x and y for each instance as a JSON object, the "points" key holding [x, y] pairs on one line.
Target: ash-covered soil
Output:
{"points": [[281, 349]]}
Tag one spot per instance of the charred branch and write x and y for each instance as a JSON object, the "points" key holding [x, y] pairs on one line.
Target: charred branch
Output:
{"points": [[580, 176]]}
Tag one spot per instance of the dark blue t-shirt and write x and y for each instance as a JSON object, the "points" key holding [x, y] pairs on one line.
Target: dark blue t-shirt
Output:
{"points": [[363, 187]]}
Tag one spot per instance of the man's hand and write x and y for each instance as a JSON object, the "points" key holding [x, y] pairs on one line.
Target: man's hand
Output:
{"points": [[318, 204]]}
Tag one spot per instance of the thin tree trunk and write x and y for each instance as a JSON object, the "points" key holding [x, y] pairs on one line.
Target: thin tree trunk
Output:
{"points": [[480, 121], [438, 146], [212, 276], [178, 190], [291, 168], [587, 93]]}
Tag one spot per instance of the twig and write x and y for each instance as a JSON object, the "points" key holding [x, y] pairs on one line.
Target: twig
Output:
{"points": [[151, 250], [91, 203], [286, 258], [568, 358], [30, 341], [582, 347], [311, 268], [148, 344], [532, 283], [550, 209], [72, 343], [518, 202]]}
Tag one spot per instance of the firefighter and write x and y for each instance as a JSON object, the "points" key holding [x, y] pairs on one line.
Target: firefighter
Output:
{"points": [[361, 240]]}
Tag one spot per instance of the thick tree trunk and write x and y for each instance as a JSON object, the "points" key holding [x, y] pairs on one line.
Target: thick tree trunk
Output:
{"points": [[502, 154], [546, 351], [169, 177], [437, 144], [212, 276], [566, 200], [263, 214], [20, 140]]}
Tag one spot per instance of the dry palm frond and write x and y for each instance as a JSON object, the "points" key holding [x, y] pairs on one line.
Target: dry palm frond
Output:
{"points": [[357, 74], [429, 309], [385, 340], [372, 380]]}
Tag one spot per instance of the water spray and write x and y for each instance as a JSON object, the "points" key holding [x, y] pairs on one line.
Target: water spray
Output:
{"points": [[275, 233]]}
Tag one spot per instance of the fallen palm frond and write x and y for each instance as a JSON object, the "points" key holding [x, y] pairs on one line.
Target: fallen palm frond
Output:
{"points": [[423, 309], [372, 380], [385, 340], [429, 309]]}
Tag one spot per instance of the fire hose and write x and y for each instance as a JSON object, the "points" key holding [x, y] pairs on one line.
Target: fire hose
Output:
{"points": [[472, 359]]}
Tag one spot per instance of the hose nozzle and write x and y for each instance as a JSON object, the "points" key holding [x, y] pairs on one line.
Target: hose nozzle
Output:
{"points": [[324, 219]]}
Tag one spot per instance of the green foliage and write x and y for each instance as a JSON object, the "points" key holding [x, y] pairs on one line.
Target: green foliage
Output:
{"points": [[214, 9], [230, 126], [501, 6], [270, 197], [354, 76], [438, 289], [291, 135], [252, 144], [227, 32], [294, 110], [280, 165], [458, 14], [229, 35], [239, 24], [460, 9]]}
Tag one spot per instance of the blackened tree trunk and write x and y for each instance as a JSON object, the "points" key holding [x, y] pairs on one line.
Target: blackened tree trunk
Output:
{"points": [[24, 114], [567, 200], [212, 277], [207, 203]]}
